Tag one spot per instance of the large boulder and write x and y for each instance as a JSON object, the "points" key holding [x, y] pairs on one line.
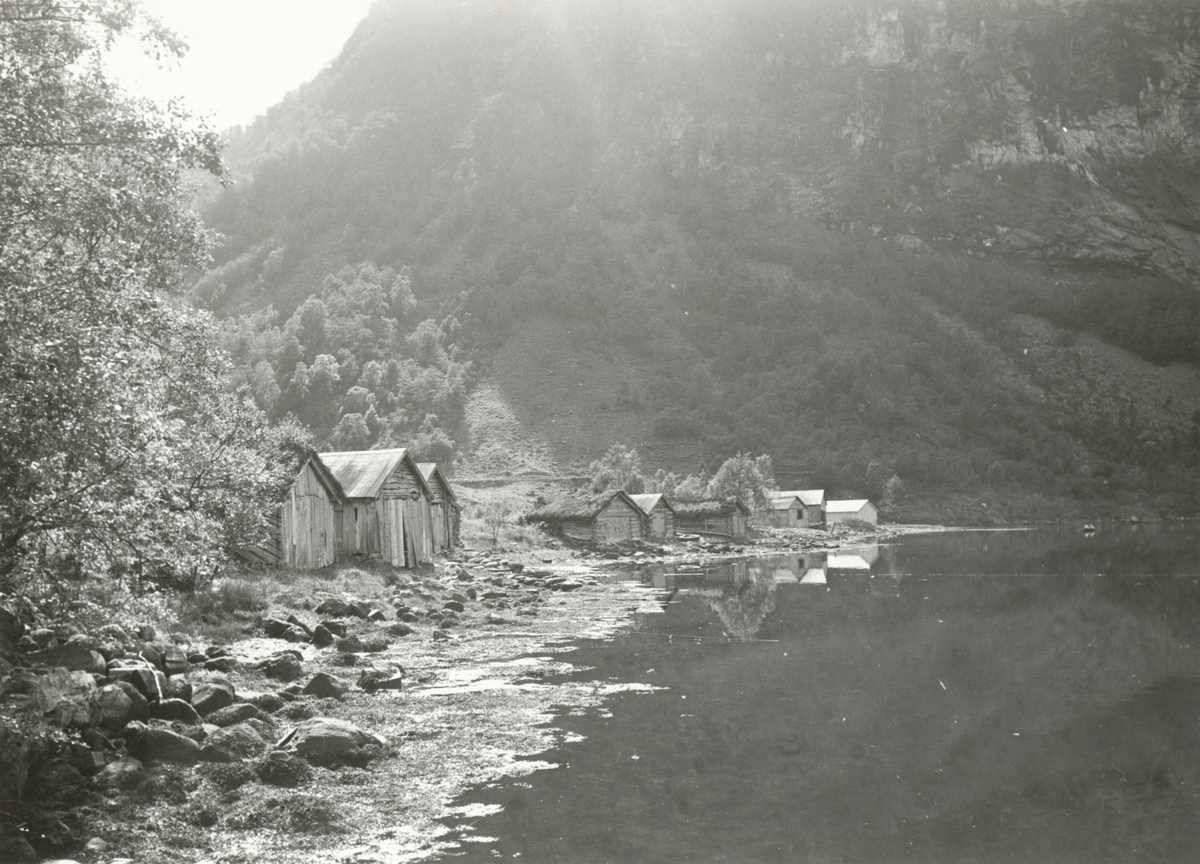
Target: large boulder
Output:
{"points": [[72, 655], [335, 608], [326, 686], [233, 743], [67, 698], [277, 629], [211, 695], [178, 687], [175, 710], [328, 741], [121, 702], [238, 712], [284, 666], [154, 743], [148, 680]]}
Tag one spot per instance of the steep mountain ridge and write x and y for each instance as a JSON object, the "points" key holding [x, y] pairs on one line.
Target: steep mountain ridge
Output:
{"points": [[765, 213]]}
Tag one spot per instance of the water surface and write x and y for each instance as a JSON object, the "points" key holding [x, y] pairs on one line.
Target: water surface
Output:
{"points": [[965, 696]]}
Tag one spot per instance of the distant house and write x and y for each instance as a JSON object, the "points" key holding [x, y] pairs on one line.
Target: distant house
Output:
{"points": [[310, 520], [660, 515], [726, 516], [853, 510], [603, 517], [785, 511], [446, 512], [388, 506], [813, 502]]}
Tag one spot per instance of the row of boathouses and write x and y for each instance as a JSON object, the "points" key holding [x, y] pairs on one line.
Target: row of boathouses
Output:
{"points": [[367, 504], [383, 504], [613, 516]]}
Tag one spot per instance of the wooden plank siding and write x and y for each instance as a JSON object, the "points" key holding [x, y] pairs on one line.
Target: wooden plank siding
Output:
{"points": [[388, 512], [443, 508], [619, 520], [662, 522], [308, 516]]}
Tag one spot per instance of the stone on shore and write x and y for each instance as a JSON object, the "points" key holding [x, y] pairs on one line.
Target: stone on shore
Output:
{"points": [[326, 686], [328, 741]]}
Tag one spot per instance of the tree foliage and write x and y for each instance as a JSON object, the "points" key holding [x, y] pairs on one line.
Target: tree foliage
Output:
{"points": [[357, 366], [750, 479], [619, 468], [120, 445]]}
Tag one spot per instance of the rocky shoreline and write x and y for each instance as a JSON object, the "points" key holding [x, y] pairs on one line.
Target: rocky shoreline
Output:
{"points": [[131, 744]]}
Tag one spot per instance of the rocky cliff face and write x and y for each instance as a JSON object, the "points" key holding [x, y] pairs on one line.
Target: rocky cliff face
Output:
{"points": [[1066, 130]]}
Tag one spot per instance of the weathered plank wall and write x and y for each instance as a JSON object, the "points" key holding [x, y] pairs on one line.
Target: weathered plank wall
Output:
{"points": [[662, 522], [308, 537], [618, 521]]}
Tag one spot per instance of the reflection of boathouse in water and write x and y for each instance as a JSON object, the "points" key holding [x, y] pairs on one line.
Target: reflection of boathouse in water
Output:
{"points": [[744, 593]]}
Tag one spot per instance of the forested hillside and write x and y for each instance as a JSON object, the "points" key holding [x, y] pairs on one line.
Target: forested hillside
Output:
{"points": [[948, 249]]}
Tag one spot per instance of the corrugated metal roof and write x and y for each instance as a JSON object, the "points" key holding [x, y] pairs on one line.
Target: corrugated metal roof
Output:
{"points": [[649, 501], [852, 505], [808, 497], [362, 472]]}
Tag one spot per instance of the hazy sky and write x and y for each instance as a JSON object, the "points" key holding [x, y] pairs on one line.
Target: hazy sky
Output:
{"points": [[244, 54]]}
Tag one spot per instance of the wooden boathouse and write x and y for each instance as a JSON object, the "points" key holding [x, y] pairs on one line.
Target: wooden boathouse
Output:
{"points": [[597, 517], [813, 501], [310, 520], [388, 506], [852, 510], [446, 512], [785, 511], [660, 515], [728, 516]]}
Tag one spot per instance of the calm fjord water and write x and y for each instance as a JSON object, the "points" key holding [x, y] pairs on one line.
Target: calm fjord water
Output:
{"points": [[964, 696]]}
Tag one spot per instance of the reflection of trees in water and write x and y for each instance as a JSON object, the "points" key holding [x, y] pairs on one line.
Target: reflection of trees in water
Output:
{"points": [[745, 601]]}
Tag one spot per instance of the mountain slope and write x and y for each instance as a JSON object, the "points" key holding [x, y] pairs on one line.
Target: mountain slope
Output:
{"points": [[822, 230]]}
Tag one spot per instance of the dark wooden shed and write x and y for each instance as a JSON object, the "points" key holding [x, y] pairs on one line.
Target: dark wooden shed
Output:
{"points": [[726, 516], [446, 512], [388, 509], [599, 517]]}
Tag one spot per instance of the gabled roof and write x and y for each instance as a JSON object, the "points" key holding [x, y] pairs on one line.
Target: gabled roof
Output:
{"points": [[312, 457], [712, 507], [808, 497], [430, 472], [580, 505], [783, 502], [851, 505], [650, 500], [362, 472]]}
